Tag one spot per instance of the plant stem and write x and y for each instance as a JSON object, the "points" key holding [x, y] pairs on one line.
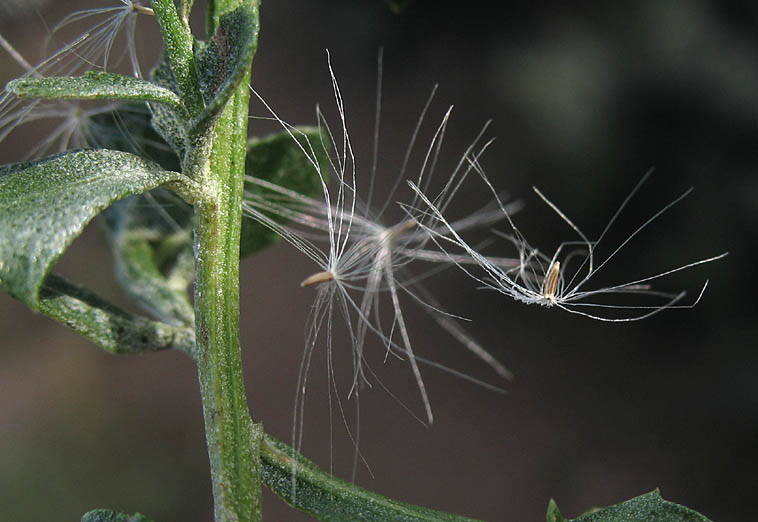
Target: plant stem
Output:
{"points": [[233, 441]]}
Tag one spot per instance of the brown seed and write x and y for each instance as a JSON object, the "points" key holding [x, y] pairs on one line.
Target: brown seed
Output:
{"points": [[317, 279], [550, 285], [144, 10], [406, 226]]}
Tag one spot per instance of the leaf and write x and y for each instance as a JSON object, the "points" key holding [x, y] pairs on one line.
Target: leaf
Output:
{"points": [[224, 60], [553, 514], [329, 498], [150, 236], [106, 515], [275, 158], [94, 85], [109, 327], [279, 160], [178, 45], [170, 126], [45, 204], [648, 507], [219, 66], [128, 128]]}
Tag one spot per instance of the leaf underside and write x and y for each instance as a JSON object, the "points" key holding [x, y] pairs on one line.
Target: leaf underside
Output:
{"points": [[150, 235], [168, 124], [223, 61]]}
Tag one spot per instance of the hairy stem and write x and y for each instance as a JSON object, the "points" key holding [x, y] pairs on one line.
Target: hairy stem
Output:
{"points": [[233, 442]]}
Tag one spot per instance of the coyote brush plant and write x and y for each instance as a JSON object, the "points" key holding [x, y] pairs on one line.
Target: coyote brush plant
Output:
{"points": [[183, 195]]}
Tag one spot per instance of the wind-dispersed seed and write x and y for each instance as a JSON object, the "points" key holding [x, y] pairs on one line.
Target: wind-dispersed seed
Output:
{"points": [[317, 279], [550, 286]]}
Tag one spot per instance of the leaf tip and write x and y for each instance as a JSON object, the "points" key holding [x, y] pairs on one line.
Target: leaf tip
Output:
{"points": [[553, 513]]}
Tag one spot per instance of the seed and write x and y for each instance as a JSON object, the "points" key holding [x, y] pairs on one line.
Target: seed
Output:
{"points": [[550, 284], [317, 279]]}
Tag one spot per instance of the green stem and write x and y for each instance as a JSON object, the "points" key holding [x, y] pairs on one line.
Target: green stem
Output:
{"points": [[233, 441], [232, 451]]}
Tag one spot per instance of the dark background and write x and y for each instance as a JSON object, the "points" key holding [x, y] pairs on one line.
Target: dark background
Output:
{"points": [[584, 101]]}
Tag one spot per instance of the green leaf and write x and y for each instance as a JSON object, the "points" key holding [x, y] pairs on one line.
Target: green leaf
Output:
{"points": [[109, 327], [223, 61], [128, 128], [94, 86], [329, 498], [553, 514], [178, 45], [279, 160], [106, 515], [647, 507], [44, 206], [150, 236], [170, 126], [220, 65]]}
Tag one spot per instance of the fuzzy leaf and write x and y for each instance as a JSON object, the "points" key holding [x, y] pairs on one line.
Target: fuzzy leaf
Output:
{"points": [[106, 515], [223, 61], [109, 327], [45, 204], [128, 128], [553, 513], [178, 50], [279, 160], [166, 122], [649, 506], [329, 498], [94, 85], [150, 235], [275, 158]]}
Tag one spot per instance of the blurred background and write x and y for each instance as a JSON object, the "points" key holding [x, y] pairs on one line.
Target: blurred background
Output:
{"points": [[584, 100]]}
